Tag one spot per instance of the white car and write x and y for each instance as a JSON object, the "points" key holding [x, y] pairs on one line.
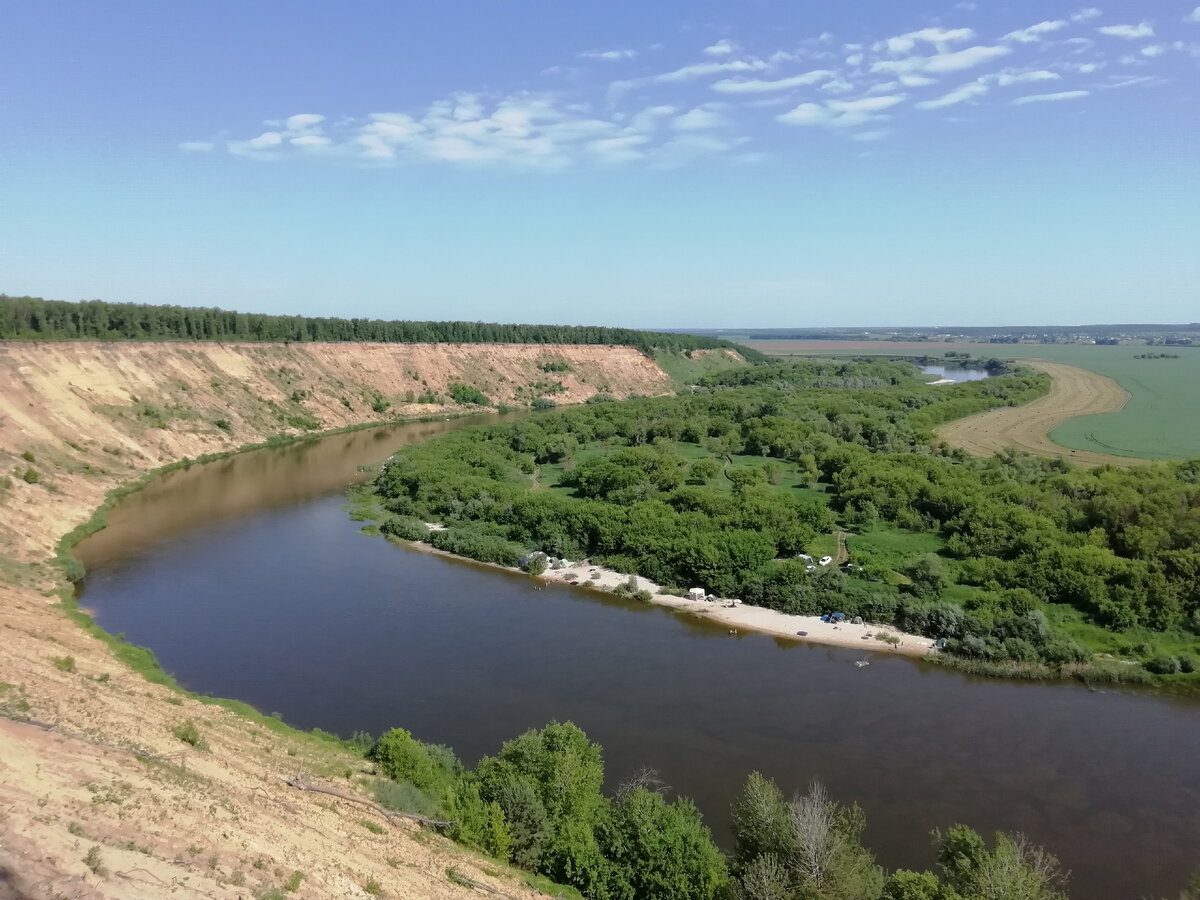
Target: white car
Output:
{"points": [[824, 560]]}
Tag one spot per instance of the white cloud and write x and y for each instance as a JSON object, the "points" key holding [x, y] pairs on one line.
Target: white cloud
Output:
{"points": [[941, 62], [877, 134], [840, 113], [756, 86], [1193, 16], [939, 37], [854, 59], [685, 73], [958, 95], [1153, 50], [699, 119], [837, 85], [720, 48], [310, 140], [265, 140], [1004, 79], [607, 55], [196, 146], [303, 121], [1050, 98], [1130, 32], [627, 148], [1083, 15], [1088, 68], [1034, 33]]}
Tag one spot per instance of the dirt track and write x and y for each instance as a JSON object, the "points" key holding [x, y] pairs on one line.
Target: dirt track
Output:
{"points": [[1073, 392]]}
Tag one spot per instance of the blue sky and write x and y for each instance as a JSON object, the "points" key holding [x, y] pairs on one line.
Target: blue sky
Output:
{"points": [[676, 163]]}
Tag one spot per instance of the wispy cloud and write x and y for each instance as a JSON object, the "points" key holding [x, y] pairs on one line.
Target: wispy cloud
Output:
{"points": [[840, 113], [720, 101], [756, 86], [720, 48], [1034, 33], [1193, 16], [939, 37], [1130, 32], [941, 62], [608, 55], [1050, 98], [954, 97]]}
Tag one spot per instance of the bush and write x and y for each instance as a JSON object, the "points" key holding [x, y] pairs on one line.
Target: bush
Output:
{"points": [[600, 398], [543, 403], [405, 528], [464, 394], [31, 475], [64, 663], [190, 734], [476, 545], [1164, 665], [404, 796], [379, 403], [224, 424]]}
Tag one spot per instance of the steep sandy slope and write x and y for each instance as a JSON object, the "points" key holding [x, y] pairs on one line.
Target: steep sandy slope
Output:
{"points": [[165, 817]]}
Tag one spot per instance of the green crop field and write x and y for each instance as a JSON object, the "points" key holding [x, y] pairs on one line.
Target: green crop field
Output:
{"points": [[1160, 421]]}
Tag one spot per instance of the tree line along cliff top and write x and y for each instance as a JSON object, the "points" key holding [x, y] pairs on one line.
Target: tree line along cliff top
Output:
{"points": [[32, 318]]}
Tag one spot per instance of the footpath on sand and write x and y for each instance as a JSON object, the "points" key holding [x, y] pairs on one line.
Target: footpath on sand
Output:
{"points": [[734, 614], [1073, 392]]}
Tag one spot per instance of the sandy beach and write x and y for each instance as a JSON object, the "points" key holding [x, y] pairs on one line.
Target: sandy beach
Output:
{"points": [[739, 616]]}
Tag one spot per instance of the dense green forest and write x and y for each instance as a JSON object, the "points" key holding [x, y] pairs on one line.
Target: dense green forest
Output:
{"points": [[1024, 566], [538, 804], [32, 318]]}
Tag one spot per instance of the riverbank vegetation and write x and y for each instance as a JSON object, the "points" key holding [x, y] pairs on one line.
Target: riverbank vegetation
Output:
{"points": [[538, 804], [1019, 566], [32, 318]]}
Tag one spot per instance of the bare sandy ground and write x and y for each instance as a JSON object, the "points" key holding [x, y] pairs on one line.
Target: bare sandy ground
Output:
{"points": [[1073, 392], [741, 616], [736, 615]]}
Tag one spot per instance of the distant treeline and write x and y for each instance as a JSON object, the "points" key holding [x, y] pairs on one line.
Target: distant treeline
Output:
{"points": [[32, 318], [919, 332]]}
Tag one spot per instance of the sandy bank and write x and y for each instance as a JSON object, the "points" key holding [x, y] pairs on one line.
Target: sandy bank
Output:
{"points": [[738, 617]]}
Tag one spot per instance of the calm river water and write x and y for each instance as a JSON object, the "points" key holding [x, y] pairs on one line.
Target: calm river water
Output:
{"points": [[248, 580]]}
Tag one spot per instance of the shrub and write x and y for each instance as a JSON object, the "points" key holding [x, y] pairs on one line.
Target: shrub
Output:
{"points": [[28, 456], [543, 403], [600, 398], [1164, 665], [404, 796], [536, 564], [190, 734], [644, 596], [465, 394], [294, 881], [94, 861], [379, 403], [64, 663], [405, 528], [224, 424], [31, 475]]}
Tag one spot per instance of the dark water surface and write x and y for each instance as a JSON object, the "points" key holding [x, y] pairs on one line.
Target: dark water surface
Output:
{"points": [[248, 580]]}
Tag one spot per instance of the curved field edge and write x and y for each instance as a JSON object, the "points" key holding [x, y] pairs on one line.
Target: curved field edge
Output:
{"points": [[1074, 392]]}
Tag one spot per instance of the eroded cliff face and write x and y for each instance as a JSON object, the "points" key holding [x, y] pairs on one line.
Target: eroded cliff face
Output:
{"points": [[94, 415], [78, 419]]}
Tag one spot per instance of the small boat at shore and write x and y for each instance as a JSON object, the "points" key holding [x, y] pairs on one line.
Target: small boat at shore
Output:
{"points": [[862, 662]]}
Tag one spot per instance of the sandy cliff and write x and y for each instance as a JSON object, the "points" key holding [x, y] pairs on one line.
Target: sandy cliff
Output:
{"points": [[78, 419]]}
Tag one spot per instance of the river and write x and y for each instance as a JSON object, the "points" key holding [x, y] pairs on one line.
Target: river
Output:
{"points": [[248, 580]]}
